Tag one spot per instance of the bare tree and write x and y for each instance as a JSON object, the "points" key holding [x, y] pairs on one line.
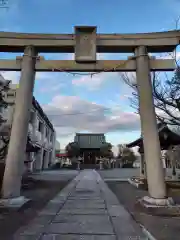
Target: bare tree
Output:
{"points": [[166, 94], [4, 131]]}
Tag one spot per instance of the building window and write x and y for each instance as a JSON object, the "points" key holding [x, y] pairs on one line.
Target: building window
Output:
{"points": [[11, 94], [47, 131], [40, 126], [31, 119], [51, 137]]}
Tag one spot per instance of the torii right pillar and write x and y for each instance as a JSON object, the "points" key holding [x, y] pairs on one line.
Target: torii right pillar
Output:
{"points": [[155, 175]]}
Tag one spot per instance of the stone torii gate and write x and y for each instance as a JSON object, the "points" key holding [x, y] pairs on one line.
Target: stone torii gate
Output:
{"points": [[85, 43]]}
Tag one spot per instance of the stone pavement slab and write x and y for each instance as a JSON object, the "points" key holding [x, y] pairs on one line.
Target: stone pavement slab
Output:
{"points": [[78, 237], [81, 218], [86, 205], [81, 228], [86, 209]]}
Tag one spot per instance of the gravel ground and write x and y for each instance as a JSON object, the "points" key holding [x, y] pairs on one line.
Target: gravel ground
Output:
{"points": [[119, 173], [44, 188], [163, 228]]}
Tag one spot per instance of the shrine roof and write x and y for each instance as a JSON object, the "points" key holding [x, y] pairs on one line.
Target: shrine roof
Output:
{"points": [[167, 138]]}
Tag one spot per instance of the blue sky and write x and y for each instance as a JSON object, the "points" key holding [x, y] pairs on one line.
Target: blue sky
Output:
{"points": [[56, 90]]}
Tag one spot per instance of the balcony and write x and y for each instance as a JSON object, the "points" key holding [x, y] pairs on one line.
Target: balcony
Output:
{"points": [[35, 135], [46, 143]]}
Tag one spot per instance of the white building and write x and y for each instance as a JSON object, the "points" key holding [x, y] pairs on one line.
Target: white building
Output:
{"points": [[57, 146], [41, 134]]}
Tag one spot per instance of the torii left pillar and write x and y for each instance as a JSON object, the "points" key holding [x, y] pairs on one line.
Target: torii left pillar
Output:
{"points": [[17, 145]]}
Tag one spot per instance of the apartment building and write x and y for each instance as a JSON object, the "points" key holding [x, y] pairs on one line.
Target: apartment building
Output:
{"points": [[40, 150]]}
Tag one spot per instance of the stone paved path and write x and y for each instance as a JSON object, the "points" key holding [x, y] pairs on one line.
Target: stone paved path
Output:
{"points": [[86, 209]]}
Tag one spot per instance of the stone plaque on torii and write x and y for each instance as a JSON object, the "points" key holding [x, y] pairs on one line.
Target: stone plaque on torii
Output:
{"points": [[86, 43]]}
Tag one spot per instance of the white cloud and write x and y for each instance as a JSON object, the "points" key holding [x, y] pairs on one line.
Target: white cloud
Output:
{"points": [[173, 55], [174, 112], [70, 114], [13, 76], [93, 82], [52, 88], [69, 56]]}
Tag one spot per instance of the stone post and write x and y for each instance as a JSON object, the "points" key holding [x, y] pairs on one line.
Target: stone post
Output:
{"points": [[101, 165], [154, 168], [164, 164], [109, 164], [78, 165], [17, 145]]}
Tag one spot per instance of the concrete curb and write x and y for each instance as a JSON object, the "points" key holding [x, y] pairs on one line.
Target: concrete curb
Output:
{"points": [[147, 233], [115, 179]]}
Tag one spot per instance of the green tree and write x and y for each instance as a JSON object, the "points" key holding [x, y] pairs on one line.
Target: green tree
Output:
{"points": [[166, 94], [73, 149], [128, 157], [106, 150]]}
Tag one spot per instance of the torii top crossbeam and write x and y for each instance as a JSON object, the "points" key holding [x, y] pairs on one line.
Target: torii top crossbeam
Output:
{"points": [[106, 43], [86, 43]]}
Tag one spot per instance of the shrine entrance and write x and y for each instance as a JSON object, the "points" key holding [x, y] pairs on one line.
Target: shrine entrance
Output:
{"points": [[89, 155], [86, 43]]}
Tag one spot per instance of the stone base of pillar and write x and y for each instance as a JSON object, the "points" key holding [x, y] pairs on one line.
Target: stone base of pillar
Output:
{"points": [[158, 207], [13, 202], [150, 202]]}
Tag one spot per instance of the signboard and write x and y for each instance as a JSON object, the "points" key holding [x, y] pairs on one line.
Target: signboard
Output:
{"points": [[85, 44]]}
